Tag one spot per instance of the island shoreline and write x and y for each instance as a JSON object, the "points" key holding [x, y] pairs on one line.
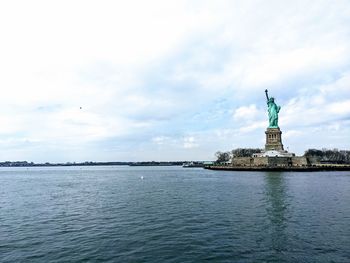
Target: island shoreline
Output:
{"points": [[280, 169]]}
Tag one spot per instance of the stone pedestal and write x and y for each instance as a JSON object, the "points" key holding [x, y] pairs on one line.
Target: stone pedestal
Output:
{"points": [[273, 139]]}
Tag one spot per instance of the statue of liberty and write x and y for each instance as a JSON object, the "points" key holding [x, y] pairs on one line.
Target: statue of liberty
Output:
{"points": [[273, 110]]}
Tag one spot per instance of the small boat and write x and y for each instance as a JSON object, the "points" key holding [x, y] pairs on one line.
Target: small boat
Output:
{"points": [[192, 164]]}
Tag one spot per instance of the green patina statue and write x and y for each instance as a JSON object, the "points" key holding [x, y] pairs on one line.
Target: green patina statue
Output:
{"points": [[273, 110]]}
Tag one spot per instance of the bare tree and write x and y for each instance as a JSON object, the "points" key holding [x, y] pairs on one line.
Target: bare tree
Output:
{"points": [[222, 157], [245, 152]]}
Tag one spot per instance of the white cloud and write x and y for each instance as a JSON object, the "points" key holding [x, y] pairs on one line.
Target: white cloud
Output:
{"points": [[340, 108], [270, 68], [292, 133], [189, 142], [161, 140], [253, 126], [320, 105], [246, 113]]}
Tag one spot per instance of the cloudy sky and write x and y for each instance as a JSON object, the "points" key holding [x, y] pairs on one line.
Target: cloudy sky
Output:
{"points": [[170, 80]]}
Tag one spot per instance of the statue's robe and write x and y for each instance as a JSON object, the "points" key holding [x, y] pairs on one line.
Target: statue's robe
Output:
{"points": [[273, 110]]}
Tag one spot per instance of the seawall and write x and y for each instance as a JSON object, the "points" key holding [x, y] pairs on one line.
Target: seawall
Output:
{"points": [[314, 168]]}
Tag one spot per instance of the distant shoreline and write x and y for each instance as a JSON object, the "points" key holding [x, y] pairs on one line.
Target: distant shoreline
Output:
{"points": [[31, 164]]}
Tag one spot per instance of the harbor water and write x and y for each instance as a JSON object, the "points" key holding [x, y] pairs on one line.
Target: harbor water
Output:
{"points": [[172, 214]]}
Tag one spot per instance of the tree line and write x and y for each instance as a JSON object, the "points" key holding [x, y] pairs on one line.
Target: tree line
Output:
{"points": [[329, 156]]}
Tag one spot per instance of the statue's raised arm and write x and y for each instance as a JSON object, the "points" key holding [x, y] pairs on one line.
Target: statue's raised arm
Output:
{"points": [[267, 95]]}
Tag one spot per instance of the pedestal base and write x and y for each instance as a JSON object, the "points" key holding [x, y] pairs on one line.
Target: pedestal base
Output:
{"points": [[273, 139]]}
